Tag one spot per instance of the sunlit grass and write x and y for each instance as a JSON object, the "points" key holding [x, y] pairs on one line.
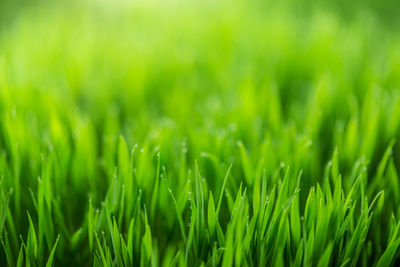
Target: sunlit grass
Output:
{"points": [[198, 134]]}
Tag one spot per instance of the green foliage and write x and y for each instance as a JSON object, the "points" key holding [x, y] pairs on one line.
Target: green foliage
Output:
{"points": [[199, 134]]}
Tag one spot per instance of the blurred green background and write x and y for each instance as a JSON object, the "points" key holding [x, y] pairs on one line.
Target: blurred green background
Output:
{"points": [[258, 65]]}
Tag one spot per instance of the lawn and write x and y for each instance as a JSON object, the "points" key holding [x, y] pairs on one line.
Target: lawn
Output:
{"points": [[199, 133]]}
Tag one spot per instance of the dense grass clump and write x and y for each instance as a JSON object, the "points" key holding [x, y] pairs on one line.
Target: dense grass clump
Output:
{"points": [[199, 134]]}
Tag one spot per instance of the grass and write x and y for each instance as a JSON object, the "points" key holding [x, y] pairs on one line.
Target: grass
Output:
{"points": [[199, 134]]}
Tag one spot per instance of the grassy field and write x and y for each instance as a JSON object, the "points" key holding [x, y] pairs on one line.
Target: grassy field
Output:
{"points": [[199, 133]]}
